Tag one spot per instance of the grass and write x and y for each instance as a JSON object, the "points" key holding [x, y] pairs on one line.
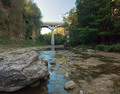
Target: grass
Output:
{"points": [[108, 48], [101, 47], [5, 43]]}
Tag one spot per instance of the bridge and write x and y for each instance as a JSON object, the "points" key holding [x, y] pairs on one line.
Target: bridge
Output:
{"points": [[52, 26]]}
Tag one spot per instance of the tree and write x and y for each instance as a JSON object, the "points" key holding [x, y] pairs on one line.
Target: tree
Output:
{"points": [[94, 22]]}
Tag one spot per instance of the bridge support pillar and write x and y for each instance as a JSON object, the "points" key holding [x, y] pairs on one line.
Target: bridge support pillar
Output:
{"points": [[52, 38]]}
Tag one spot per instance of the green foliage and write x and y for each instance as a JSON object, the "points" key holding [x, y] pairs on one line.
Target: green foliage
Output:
{"points": [[81, 36], [31, 16], [108, 48], [59, 39], [29, 29], [94, 22], [20, 43], [46, 38], [116, 48], [19, 18], [2, 17]]}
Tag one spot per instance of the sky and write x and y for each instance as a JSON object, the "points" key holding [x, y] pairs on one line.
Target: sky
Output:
{"points": [[53, 10]]}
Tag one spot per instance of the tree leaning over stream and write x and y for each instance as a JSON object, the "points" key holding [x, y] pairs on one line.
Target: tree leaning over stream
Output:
{"points": [[94, 22], [19, 19]]}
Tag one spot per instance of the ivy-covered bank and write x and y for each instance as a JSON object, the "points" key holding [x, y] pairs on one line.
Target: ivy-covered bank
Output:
{"points": [[19, 19]]}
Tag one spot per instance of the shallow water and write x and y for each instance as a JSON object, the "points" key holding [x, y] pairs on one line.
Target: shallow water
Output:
{"points": [[88, 71], [56, 82]]}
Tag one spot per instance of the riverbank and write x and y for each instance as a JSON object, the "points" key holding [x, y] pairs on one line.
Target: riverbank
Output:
{"points": [[94, 72], [6, 44], [18, 50], [101, 47]]}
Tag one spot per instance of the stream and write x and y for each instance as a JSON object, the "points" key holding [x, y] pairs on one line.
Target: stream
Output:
{"points": [[92, 73]]}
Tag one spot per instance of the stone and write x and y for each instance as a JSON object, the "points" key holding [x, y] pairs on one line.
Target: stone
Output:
{"points": [[66, 45], [46, 62], [21, 70], [81, 92], [53, 63], [70, 85]]}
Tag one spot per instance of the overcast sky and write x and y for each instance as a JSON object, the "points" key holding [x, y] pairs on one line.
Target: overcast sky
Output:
{"points": [[52, 10]]}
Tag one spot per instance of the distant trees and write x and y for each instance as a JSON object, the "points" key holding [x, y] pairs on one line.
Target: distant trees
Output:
{"points": [[20, 19], [94, 22]]}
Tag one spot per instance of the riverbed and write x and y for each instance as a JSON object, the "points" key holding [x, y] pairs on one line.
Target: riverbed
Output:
{"points": [[93, 72]]}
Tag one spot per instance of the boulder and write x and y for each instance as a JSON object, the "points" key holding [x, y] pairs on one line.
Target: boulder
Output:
{"points": [[70, 85], [21, 70]]}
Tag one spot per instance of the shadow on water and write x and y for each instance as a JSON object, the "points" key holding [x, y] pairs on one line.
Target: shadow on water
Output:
{"points": [[32, 90]]}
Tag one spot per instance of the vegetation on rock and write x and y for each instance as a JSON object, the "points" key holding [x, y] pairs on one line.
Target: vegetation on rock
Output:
{"points": [[19, 19]]}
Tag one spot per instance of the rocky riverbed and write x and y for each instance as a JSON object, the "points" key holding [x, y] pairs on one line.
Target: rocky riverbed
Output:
{"points": [[90, 72]]}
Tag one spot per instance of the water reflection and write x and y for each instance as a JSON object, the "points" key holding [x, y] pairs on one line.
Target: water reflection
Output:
{"points": [[42, 89], [56, 81]]}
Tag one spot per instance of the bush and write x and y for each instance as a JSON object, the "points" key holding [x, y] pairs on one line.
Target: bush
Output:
{"points": [[59, 39], [85, 36], [108, 48], [116, 48]]}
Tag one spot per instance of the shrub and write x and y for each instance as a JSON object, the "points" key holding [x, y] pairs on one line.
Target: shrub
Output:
{"points": [[20, 43], [108, 48], [116, 48]]}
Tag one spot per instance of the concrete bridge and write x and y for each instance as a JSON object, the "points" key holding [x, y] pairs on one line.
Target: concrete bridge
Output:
{"points": [[52, 26]]}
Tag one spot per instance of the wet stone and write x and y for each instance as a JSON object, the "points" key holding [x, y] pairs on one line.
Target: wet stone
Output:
{"points": [[53, 63], [70, 85], [46, 62]]}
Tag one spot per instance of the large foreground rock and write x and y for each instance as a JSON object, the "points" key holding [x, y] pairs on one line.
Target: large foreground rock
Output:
{"points": [[20, 71]]}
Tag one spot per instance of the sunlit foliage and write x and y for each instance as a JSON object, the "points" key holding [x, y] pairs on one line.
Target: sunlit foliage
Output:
{"points": [[19, 19], [94, 22]]}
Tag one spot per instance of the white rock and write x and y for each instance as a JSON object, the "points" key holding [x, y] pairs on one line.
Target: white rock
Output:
{"points": [[20, 71], [70, 85], [81, 92]]}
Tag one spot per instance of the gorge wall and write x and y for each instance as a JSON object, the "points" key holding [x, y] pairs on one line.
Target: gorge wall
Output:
{"points": [[19, 19]]}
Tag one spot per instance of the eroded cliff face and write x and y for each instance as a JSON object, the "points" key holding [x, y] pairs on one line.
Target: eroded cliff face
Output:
{"points": [[19, 19], [11, 24]]}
